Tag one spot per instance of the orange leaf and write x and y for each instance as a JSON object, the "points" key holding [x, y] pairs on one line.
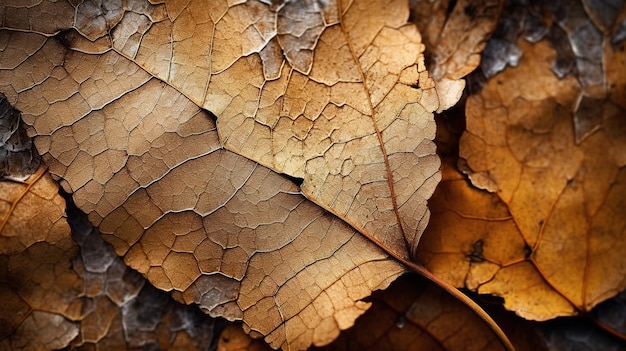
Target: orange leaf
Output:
{"points": [[548, 240]]}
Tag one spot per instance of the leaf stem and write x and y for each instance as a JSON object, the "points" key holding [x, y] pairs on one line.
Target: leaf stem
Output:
{"points": [[421, 270], [607, 328]]}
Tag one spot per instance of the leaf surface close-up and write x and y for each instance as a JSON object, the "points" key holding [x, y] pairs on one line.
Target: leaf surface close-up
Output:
{"points": [[325, 92], [60, 289], [148, 166], [253, 174], [549, 239]]}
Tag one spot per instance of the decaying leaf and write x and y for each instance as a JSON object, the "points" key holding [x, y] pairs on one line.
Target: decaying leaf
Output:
{"points": [[146, 165], [123, 311], [409, 315], [550, 241], [413, 315], [38, 289], [58, 293], [335, 93], [455, 33]]}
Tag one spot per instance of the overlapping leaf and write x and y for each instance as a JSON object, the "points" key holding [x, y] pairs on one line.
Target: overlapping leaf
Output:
{"points": [[550, 241], [36, 313], [410, 315], [455, 34], [146, 165], [334, 93], [58, 293]]}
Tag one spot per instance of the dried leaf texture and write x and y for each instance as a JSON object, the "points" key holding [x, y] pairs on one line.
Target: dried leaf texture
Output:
{"points": [[41, 16], [123, 312], [454, 33], [579, 31], [333, 92], [145, 164], [412, 314], [37, 285], [58, 293], [550, 241]]}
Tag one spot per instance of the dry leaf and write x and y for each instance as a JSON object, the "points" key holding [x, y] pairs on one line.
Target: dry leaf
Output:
{"points": [[58, 293], [455, 33], [37, 286], [142, 160], [414, 315], [323, 91], [336, 94], [121, 310], [550, 241]]}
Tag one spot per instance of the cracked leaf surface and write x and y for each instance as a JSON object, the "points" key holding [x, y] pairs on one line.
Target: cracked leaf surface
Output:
{"points": [[454, 33], [414, 315], [218, 229], [318, 90], [411, 314], [36, 312], [58, 292]]}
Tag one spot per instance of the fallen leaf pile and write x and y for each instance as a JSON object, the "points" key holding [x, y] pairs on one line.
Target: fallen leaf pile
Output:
{"points": [[272, 163]]}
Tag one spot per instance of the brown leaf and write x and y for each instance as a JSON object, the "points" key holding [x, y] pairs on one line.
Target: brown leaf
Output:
{"points": [[53, 297], [415, 315], [550, 241], [146, 165], [46, 17], [336, 94], [121, 310], [455, 33], [37, 312], [325, 92], [412, 314]]}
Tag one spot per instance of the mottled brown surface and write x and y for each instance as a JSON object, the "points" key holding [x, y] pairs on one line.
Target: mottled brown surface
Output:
{"points": [[57, 292], [550, 239]]}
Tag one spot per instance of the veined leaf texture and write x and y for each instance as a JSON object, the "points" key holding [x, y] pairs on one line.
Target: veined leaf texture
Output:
{"points": [[551, 149], [62, 289], [271, 162], [335, 93]]}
